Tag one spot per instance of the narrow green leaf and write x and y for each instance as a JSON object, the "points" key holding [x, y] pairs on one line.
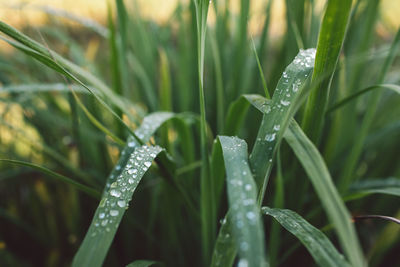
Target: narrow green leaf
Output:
{"points": [[388, 186], [141, 263], [90, 191], [330, 42], [393, 87], [42, 88], [320, 178], [225, 250], [242, 195], [319, 246], [111, 209], [285, 101]]}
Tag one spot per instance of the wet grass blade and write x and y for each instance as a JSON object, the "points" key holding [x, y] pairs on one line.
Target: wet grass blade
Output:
{"points": [[319, 246], [111, 209], [387, 186], [330, 42], [225, 250], [320, 178], [285, 102], [55, 176], [242, 194]]}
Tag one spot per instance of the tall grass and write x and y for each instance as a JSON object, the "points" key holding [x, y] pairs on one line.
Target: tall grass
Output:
{"points": [[138, 144]]}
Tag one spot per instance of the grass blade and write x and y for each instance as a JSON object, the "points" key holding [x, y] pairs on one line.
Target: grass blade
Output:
{"points": [[393, 87], [141, 263], [111, 209], [319, 246], [320, 178], [225, 250], [284, 103], [90, 191], [42, 87], [330, 42], [388, 186], [242, 195]]}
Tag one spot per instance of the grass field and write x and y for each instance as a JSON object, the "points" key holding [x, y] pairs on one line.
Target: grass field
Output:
{"points": [[225, 133]]}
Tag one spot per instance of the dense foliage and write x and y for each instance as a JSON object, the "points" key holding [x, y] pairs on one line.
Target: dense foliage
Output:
{"points": [[195, 144]]}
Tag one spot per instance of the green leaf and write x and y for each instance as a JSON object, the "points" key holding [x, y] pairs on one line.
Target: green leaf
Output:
{"points": [[388, 186], [141, 263], [320, 178], [242, 195], [42, 87], [330, 42], [225, 250], [111, 209], [319, 246], [393, 87], [286, 100], [90, 191]]}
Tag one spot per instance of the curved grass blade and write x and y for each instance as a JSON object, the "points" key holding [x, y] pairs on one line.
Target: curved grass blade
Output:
{"points": [[242, 195], [60, 64], [320, 178], [393, 87], [141, 263], [330, 42], [112, 207], [319, 246], [285, 101], [148, 127], [42, 87], [388, 186], [90, 191]]}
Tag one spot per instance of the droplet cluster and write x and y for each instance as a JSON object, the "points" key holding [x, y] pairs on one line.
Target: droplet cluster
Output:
{"points": [[115, 201]]}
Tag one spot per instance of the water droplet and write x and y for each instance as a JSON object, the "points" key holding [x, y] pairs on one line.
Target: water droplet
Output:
{"points": [[115, 193], [104, 222], [251, 215], [285, 102], [131, 181], [248, 187], [277, 127], [270, 137], [117, 167], [131, 144], [244, 246], [121, 203], [102, 215], [147, 164], [239, 224], [132, 171], [244, 172], [243, 263], [115, 184], [114, 213]]}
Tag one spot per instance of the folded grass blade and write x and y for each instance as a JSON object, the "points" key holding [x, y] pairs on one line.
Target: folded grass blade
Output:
{"points": [[242, 194], [141, 263], [319, 246], [320, 178], [111, 209]]}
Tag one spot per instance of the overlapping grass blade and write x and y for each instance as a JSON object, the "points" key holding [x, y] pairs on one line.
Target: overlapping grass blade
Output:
{"points": [[319, 246], [224, 250], [320, 178], [388, 186], [242, 194], [111, 209], [57, 177], [330, 42], [285, 101]]}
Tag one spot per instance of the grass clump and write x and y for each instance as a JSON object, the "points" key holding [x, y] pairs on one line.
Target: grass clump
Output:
{"points": [[154, 154]]}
